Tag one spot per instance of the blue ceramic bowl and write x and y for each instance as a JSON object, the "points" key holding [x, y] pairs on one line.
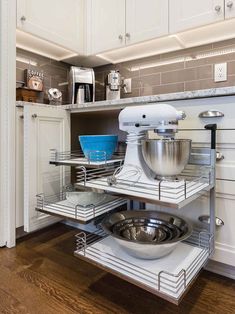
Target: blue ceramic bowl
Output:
{"points": [[98, 147]]}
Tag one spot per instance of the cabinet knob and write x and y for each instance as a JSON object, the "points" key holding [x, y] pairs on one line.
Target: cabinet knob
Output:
{"points": [[128, 35], [23, 18], [229, 4], [206, 220], [217, 8], [120, 37], [219, 156], [34, 115]]}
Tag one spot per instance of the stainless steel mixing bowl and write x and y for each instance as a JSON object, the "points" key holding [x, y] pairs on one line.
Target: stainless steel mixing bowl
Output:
{"points": [[146, 234], [166, 158]]}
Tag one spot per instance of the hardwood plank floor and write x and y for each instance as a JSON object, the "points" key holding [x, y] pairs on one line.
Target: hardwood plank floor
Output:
{"points": [[41, 275]]}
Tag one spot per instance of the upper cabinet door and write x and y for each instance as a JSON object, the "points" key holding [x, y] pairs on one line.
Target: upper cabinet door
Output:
{"points": [[44, 129], [60, 22], [186, 14], [146, 20], [107, 25], [229, 9]]}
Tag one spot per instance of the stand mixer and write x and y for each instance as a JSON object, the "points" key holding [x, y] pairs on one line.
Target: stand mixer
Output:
{"points": [[137, 121]]}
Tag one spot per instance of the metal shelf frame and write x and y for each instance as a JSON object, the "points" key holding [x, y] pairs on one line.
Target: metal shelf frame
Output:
{"points": [[96, 159], [57, 205], [171, 286]]}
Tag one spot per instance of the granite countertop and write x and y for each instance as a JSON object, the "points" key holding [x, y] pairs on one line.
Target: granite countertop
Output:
{"points": [[121, 103]]}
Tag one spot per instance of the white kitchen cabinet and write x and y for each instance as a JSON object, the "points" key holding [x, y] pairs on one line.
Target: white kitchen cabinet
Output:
{"points": [[186, 14], [44, 129], [117, 23], [19, 168], [60, 22], [229, 9], [146, 20], [107, 19]]}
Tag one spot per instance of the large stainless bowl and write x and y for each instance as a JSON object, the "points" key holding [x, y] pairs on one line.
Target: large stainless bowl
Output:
{"points": [[146, 234], [166, 158]]}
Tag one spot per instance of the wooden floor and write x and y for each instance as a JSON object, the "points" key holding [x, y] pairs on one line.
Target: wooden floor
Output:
{"points": [[41, 276]]}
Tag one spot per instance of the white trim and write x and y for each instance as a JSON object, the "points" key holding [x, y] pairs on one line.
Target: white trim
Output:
{"points": [[7, 121]]}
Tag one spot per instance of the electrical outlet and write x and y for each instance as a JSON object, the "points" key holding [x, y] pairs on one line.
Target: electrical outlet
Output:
{"points": [[127, 85], [220, 72]]}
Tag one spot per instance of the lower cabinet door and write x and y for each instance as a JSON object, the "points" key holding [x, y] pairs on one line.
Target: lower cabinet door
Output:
{"points": [[44, 129]]}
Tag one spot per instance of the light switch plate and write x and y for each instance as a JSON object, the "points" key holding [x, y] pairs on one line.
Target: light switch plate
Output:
{"points": [[127, 84], [220, 72]]}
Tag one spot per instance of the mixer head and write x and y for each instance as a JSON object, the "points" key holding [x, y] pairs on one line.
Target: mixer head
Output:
{"points": [[162, 118]]}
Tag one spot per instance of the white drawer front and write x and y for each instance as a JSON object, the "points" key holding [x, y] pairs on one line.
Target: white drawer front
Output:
{"points": [[194, 107]]}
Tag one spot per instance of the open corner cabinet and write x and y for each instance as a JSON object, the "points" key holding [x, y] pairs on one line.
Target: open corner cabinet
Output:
{"points": [[54, 166]]}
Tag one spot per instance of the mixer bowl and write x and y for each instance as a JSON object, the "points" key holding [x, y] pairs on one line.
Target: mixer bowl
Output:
{"points": [[166, 158], [146, 234]]}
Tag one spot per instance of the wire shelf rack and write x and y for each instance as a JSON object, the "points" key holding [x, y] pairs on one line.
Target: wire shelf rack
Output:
{"points": [[58, 205], [96, 159], [192, 183], [168, 277]]}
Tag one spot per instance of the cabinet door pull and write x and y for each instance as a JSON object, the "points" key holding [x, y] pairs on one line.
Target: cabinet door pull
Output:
{"points": [[218, 8], [120, 37], [229, 4], [34, 115], [211, 114], [23, 18], [206, 219], [128, 35], [219, 156]]}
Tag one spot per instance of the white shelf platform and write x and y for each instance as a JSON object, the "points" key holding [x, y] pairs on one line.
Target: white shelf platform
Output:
{"points": [[65, 209], [170, 194], [167, 277], [85, 162]]}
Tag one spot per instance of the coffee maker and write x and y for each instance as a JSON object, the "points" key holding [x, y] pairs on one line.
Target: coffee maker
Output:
{"points": [[81, 85]]}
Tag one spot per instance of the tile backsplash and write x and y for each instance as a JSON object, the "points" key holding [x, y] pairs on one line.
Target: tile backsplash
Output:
{"points": [[184, 70], [55, 72]]}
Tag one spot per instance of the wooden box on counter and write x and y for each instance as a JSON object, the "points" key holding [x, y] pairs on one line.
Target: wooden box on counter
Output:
{"points": [[27, 94]]}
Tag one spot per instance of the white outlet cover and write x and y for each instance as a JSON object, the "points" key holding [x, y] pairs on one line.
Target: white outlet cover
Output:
{"points": [[127, 82], [220, 72]]}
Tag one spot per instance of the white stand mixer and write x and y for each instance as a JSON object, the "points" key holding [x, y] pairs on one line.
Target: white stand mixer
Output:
{"points": [[137, 121]]}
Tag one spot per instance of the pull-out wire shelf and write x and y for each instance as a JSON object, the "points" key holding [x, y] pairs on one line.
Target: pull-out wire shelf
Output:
{"points": [[197, 178], [168, 277], [58, 205], [192, 183], [95, 159]]}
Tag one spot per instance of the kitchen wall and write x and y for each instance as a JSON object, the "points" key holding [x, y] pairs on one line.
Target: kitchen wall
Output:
{"points": [[55, 72], [184, 70]]}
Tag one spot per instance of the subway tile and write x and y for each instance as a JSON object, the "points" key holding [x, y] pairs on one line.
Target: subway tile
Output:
{"points": [[189, 74], [231, 68], [150, 80], [209, 83], [210, 60], [19, 74], [135, 92], [161, 68], [168, 88], [224, 43]]}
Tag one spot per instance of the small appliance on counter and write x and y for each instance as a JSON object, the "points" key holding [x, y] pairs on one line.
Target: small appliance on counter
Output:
{"points": [[81, 85], [55, 96], [114, 85]]}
